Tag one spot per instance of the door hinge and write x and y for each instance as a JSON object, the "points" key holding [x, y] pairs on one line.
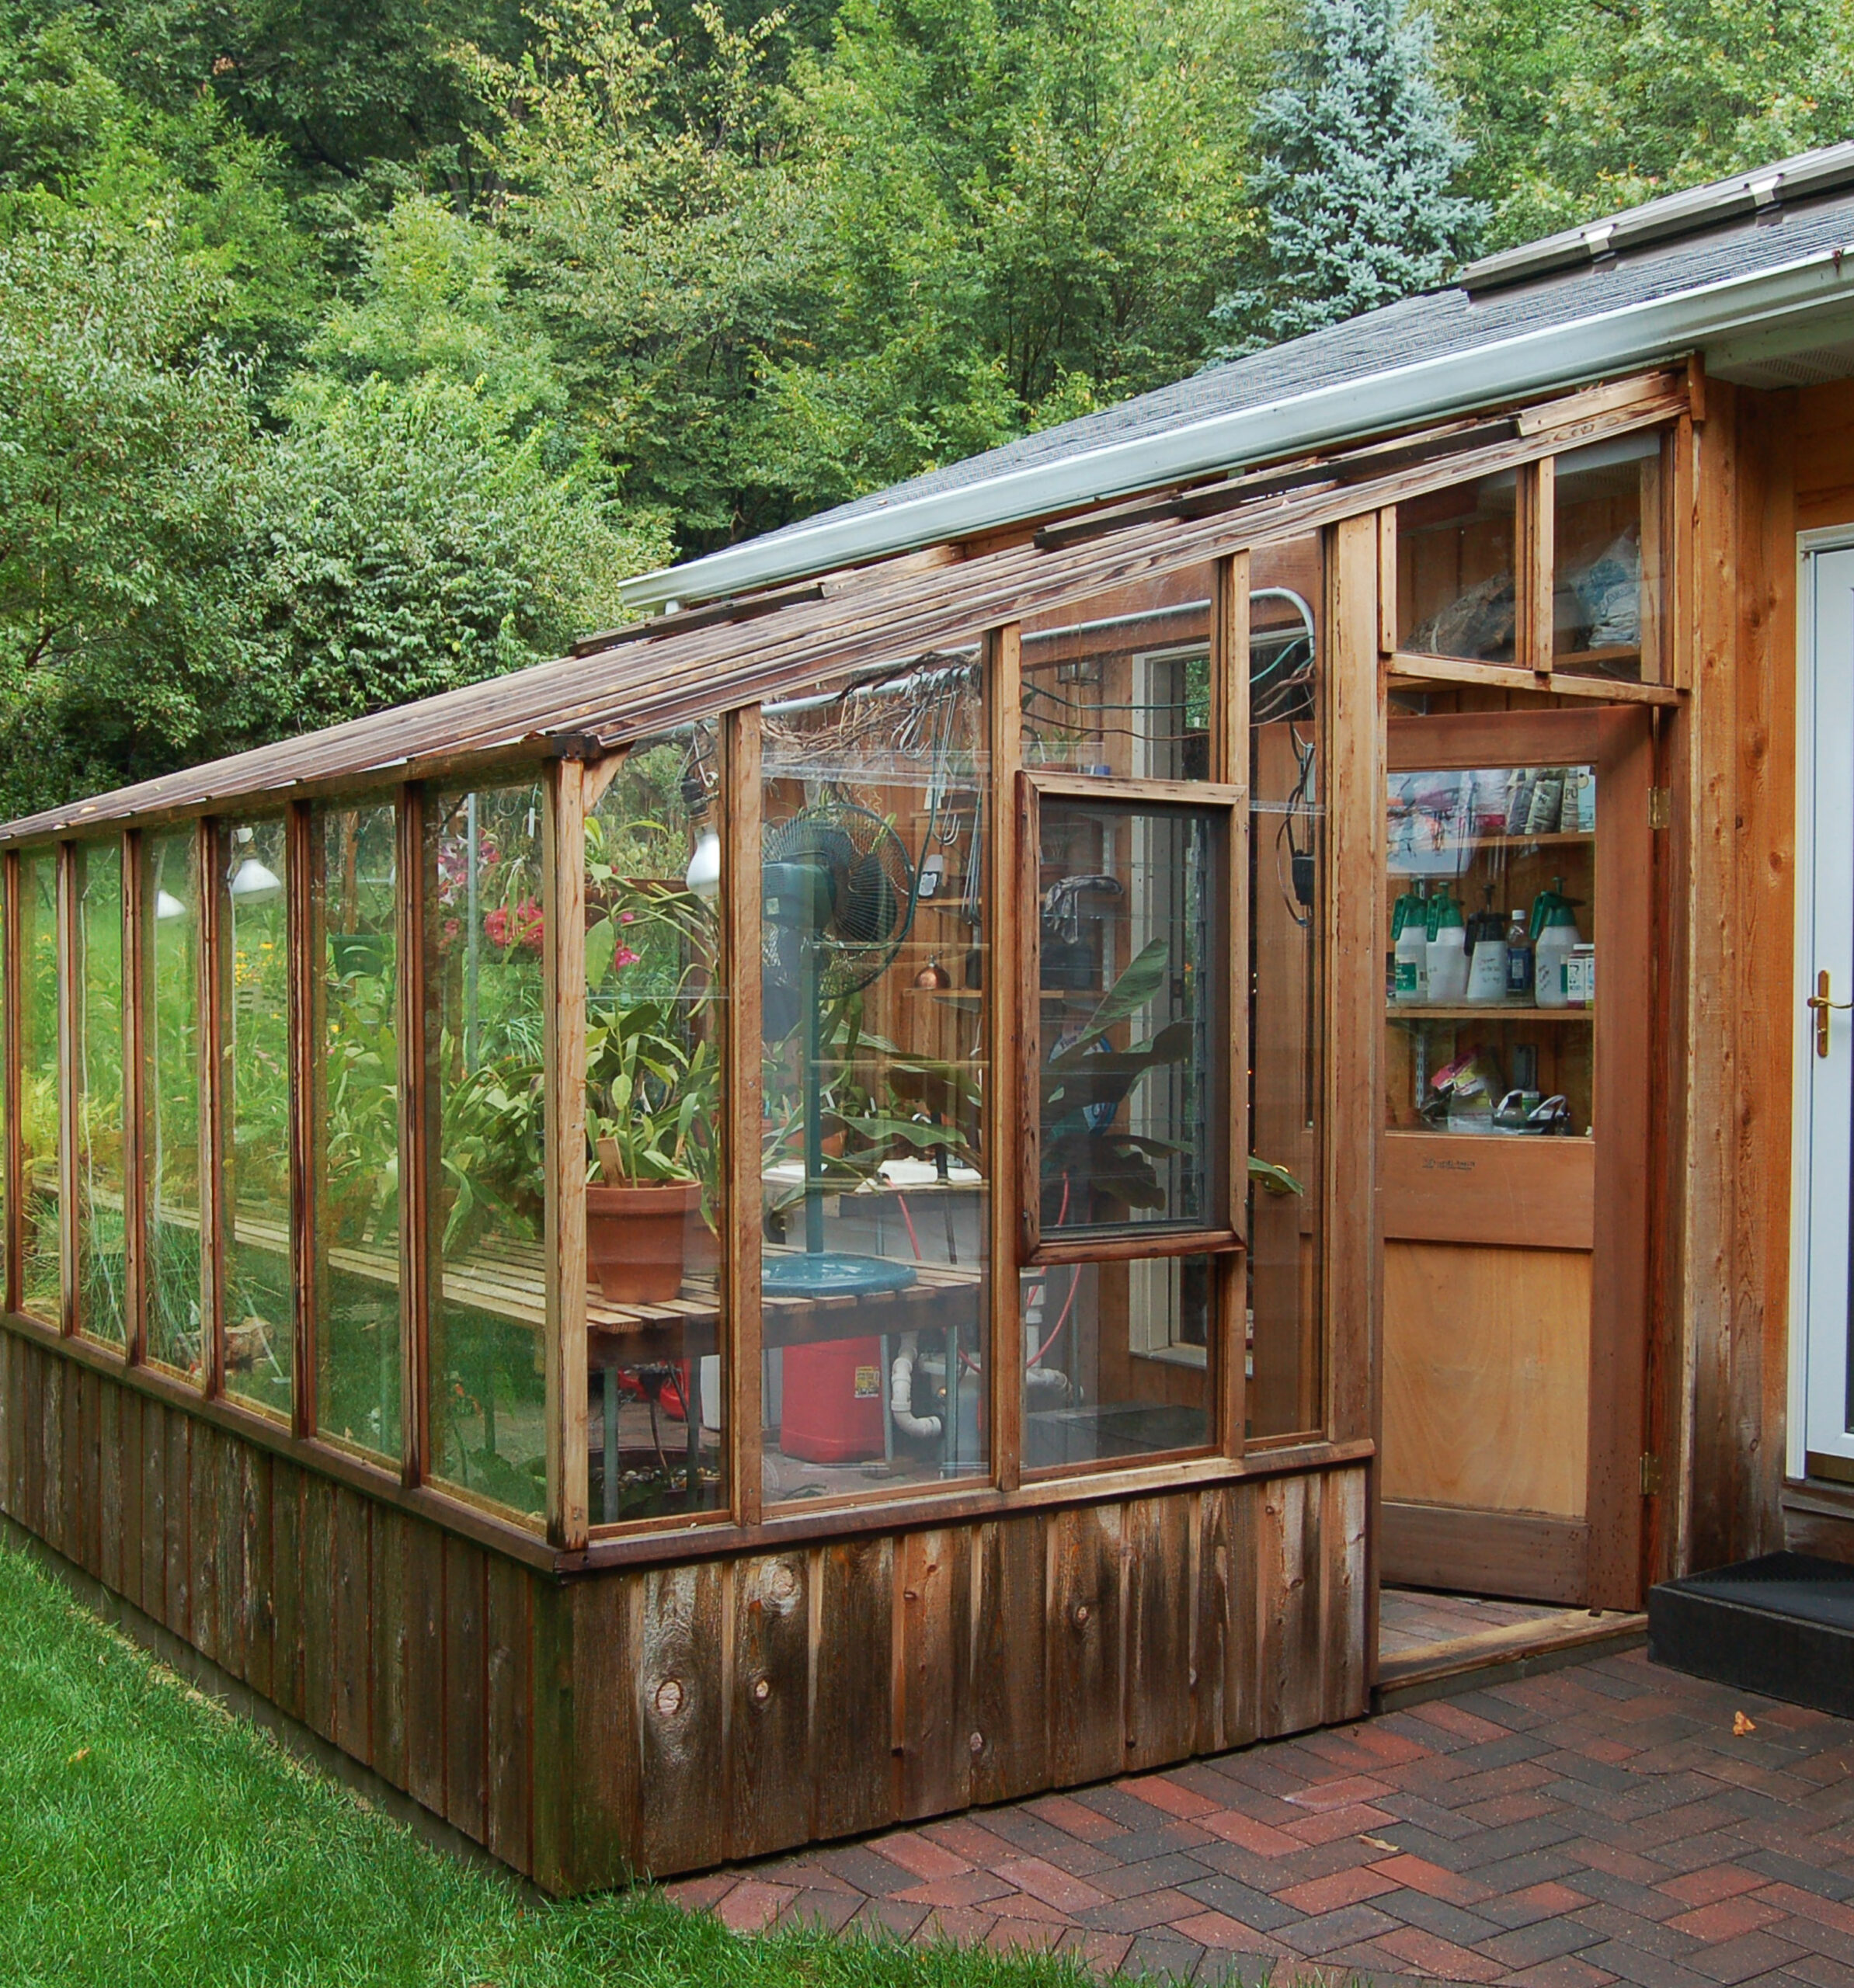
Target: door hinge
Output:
{"points": [[1651, 1475], [1660, 807]]}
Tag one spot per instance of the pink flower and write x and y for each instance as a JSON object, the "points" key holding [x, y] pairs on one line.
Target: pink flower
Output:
{"points": [[625, 957]]}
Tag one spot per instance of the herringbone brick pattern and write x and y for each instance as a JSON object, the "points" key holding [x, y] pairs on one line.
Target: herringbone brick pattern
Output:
{"points": [[1604, 1823]]}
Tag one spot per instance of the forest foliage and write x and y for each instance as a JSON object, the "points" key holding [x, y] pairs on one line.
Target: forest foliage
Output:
{"points": [[353, 349]]}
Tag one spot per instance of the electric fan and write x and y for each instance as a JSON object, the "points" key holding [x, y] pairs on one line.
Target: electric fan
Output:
{"points": [[839, 898]]}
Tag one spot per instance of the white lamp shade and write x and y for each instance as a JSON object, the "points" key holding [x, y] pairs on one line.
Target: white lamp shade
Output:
{"points": [[705, 867], [252, 883], [167, 906]]}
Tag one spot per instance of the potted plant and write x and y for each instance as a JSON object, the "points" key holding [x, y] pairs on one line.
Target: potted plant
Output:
{"points": [[652, 1089]]}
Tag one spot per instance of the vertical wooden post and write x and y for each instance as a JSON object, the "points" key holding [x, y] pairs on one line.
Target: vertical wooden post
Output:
{"points": [[738, 796], [1683, 612], [302, 943], [214, 1094], [1654, 537], [1535, 559], [564, 1352], [1387, 580], [135, 934], [15, 1149], [1006, 1099], [420, 1276], [69, 963], [1356, 925], [1229, 765]]}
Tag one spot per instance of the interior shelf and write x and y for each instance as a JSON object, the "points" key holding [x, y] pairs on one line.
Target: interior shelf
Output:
{"points": [[1480, 1011]]}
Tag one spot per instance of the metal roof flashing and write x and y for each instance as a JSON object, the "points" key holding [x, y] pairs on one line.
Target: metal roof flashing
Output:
{"points": [[1535, 357], [1744, 195]]}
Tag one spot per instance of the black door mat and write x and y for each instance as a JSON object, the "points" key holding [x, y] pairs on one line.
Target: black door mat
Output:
{"points": [[1782, 1626]]}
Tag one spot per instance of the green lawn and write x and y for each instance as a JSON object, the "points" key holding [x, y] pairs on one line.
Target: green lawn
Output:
{"points": [[147, 1837]]}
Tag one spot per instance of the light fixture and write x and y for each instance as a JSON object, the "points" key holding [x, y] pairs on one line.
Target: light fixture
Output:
{"points": [[167, 906], [704, 877], [252, 883]]}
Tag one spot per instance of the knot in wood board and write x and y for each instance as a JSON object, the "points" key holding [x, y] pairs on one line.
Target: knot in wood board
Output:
{"points": [[763, 1691], [668, 1697]]}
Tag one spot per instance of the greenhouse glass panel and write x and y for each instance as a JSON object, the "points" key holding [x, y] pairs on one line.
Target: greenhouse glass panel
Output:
{"points": [[485, 1042], [102, 1306], [170, 926]]}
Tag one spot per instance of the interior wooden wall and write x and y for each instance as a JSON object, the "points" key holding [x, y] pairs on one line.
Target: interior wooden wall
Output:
{"points": [[662, 1719]]}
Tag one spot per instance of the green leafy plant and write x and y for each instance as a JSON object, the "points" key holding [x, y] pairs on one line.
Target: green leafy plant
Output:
{"points": [[1090, 1162], [652, 1068]]}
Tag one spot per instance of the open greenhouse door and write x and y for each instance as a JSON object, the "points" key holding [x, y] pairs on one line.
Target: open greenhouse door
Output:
{"points": [[1515, 1153]]}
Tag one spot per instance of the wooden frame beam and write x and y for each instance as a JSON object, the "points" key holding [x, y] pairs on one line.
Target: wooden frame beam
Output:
{"points": [[1230, 767], [419, 1241], [14, 1160], [738, 797], [305, 1039], [214, 1049], [137, 930], [1008, 860], [68, 1006], [564, 1345]]}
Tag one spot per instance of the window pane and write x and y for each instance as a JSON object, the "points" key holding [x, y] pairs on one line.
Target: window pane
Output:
{"points": [[170, 912], [102, 1306], [1456, 551], [484, 1029], [654, 1115], [1132, 1060], [1117, 1360], [356, 1134], [1121, 684], [875, 1196], [1606, 604], [40, 1285], [255, 1094], [1484, 1036], [1287, 822]]}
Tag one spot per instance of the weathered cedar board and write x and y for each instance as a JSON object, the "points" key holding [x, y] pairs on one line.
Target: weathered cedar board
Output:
{"points": [[770, 1761], [466, 1687]]}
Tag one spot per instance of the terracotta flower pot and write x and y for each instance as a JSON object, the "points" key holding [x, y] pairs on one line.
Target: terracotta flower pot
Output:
{"points": [[636, 1238]]}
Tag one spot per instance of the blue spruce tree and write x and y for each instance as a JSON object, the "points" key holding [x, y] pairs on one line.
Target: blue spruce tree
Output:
{"points": [[1359, 150]]}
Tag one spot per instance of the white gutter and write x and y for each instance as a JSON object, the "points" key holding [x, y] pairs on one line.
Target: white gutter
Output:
{"points": [[1549, 355]]}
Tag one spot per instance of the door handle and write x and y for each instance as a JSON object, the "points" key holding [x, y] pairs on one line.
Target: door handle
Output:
{"points": [[1819, 1001]]}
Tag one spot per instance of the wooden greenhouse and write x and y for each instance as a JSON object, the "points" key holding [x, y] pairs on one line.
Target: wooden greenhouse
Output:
{"points": [[917, 1178]]}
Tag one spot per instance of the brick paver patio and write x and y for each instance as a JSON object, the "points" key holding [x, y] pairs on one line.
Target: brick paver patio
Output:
{"points": [[1602, 1822]]}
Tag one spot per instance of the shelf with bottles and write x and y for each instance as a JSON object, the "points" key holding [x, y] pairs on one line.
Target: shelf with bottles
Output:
{"points": [[1411, 1015]]}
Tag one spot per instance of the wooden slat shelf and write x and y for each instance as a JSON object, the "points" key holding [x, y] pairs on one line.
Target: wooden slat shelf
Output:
{"points": [[1481, 1011], [1568, 839], [510, 1284]]}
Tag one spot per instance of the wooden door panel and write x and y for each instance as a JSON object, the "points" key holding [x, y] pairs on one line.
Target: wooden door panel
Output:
{"points": [[1525, 1193], [1486, 1361]]}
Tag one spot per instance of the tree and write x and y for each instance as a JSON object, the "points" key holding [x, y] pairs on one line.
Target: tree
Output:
{"points": [[1020, 209], [403, 543], [1355, 190], [130, 462], [1579, 110]]}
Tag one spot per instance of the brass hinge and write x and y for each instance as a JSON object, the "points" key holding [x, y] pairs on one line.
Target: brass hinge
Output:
{"points": [[1650, 1475], [1660, 807]]}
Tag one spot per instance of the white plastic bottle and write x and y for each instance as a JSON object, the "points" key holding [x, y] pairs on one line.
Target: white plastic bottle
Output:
{"points": [[1447, 957], [1413, 954], [1552, 947]]}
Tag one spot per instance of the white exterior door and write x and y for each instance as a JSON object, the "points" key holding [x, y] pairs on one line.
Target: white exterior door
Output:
{"points": [[1821, 1424]]}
